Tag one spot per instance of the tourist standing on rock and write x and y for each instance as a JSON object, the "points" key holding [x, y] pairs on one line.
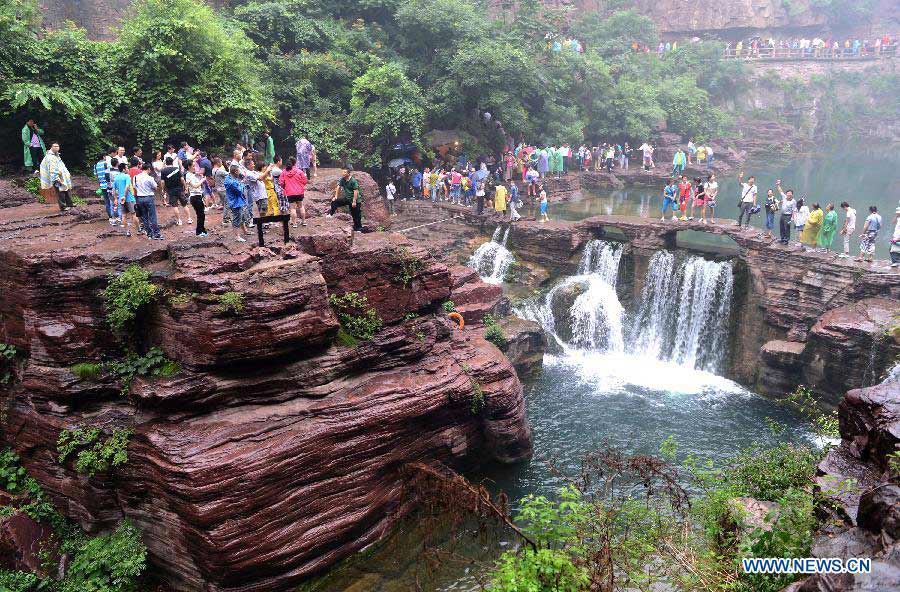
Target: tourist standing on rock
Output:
{"points": [[848, 228], [33, 146], [670, 191], [647, 151], [788, 209], [800, 219], [268, 148], [194, 181], [235, 200], [346, 193], [699, 200], [416, 184], [543, 163], [895, 240], [771, 206], [711, 187], [500, 199], [678, 162], [145, 188], [825, 238], [54, 173], [626, 156], [869, 234], [102, 172], [545, 205], [304, 155], [513, 192], [293, 184], [692, 151], [173, 182], [811, 228], [123, 192], [390, 192], [219, 173], [684, 196], [747, 202]]}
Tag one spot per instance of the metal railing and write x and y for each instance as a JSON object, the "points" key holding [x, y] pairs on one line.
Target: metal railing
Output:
{"points": [[823, 53]]}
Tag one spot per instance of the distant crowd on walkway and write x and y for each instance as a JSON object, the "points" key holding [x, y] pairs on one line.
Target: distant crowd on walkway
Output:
{"points": [[814, 47]]}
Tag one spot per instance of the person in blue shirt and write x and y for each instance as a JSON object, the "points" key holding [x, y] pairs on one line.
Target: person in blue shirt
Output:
{"points": [[123, 195], [417, 184], [102, 172], [669, 200], [234, 196]]}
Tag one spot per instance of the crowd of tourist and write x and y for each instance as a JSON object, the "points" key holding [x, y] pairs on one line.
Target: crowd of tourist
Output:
{"points": [[815, 226], [258, 181], [254, 183], [814, 47]]}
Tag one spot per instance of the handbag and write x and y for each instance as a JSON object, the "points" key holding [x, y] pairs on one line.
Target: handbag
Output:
{"points": [[740, 201]]}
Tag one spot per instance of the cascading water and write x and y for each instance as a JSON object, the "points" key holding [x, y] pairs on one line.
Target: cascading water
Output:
{"points": [[684, 312], [589, 311], [681, 319], [492, 259]]}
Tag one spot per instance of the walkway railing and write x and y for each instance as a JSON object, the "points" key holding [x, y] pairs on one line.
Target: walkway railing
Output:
{"points": [[810, 54]]}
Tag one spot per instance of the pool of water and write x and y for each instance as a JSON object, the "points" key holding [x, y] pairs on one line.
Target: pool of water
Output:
{"points": [[860, 178]]}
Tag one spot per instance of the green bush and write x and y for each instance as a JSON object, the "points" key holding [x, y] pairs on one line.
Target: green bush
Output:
{"points": [[33, 186], [477, 398], [493, 332], [12, 476], [86, 371], [20, 581], [231, 302], [356, 317], [128, 296], [154, 363], [111, 562], [7, 362], [449, 306], [93, 452], [767, 473]]}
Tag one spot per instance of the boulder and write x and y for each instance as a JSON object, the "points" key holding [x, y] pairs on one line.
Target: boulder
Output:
{"points": [[525, 345], [24, 543], [780, 367]]}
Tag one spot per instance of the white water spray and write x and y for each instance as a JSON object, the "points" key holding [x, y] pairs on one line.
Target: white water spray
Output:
{"points": [[492, 259], [682, 317]]}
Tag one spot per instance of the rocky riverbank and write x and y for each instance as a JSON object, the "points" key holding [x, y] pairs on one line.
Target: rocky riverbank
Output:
{"points": [[279, 445]]}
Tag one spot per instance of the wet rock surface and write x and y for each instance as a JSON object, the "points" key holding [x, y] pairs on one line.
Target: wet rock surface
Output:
{"points": [[276, 450]]}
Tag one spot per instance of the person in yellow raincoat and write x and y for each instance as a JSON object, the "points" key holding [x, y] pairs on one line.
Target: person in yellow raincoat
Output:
{"points": [[272, 208], [500, 198], [813, 225]]}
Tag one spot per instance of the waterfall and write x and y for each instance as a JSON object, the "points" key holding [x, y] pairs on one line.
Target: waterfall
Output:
{"points": [[591, 316], [492, 259], [682, 317], [684, 311]]}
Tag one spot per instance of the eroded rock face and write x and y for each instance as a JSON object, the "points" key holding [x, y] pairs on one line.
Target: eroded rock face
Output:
{"points": [[275, 451]]}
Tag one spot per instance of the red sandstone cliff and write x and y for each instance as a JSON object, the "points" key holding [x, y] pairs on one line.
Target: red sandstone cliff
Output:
{"points": [[275, 451]]}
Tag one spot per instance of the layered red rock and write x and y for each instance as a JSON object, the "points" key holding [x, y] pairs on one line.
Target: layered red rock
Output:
{"points": [[275, 451]]}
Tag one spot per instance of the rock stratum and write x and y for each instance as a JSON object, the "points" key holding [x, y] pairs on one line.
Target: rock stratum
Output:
{"points": [[275, 450]]}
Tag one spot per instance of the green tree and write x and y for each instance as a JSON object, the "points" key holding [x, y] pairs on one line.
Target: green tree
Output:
{"points": [[386, 106], [195, 74]]}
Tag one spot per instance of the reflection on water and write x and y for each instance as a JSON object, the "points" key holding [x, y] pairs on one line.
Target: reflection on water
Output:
{"points": [[860, 179]]}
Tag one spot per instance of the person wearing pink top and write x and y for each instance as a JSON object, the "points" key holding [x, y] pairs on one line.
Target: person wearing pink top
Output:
{"points": [[293, 181]]}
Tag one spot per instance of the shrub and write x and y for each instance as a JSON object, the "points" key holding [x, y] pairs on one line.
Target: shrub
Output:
{"points": [[20, 581], [477, 398], [356, 317], [93, 454], [410, 267], [33, 186], [493, 332], [127, 297], [767, 473], [86, 371], [7, 362], [111, 562], [153, 363], [449, 306], [231, 302], [12, 476]]}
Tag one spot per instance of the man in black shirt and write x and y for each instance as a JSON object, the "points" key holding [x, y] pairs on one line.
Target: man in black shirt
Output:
{"points": [[171, 178]]}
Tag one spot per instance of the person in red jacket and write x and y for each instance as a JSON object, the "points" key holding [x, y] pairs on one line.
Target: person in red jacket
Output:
{"points": [[684, 194], [293, 181]]}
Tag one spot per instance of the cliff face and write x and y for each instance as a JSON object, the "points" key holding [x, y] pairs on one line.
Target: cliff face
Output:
{"points": [[275, 450]]}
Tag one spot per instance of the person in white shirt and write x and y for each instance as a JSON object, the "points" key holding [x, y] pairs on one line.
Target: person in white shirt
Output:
{"points": [[390, 192], [848, 229], [749, 190], [145, 189]]}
